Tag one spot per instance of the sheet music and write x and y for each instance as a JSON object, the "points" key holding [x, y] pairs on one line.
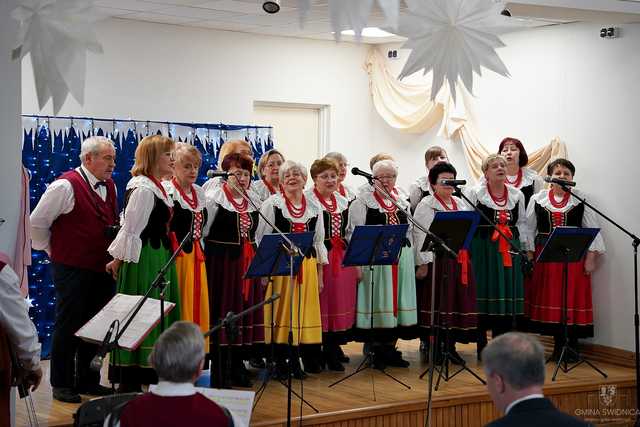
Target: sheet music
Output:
{"points": [[240, 402], [121, 307]]}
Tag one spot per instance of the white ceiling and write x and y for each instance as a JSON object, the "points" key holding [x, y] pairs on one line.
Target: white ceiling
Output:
{"points": [[247, 15]]}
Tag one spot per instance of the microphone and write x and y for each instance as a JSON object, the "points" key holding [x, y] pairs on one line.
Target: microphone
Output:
{"points": [[453, 182], [357, 171], [213, 173], [96, 362], [561, 182]]}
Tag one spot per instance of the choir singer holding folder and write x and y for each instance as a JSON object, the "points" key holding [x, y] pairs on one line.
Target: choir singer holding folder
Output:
{"points": [[74, 222]]}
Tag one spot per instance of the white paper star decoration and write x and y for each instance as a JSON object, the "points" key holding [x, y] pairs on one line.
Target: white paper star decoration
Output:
{"points": [[454, 38], [57, 34], [354, 14]]}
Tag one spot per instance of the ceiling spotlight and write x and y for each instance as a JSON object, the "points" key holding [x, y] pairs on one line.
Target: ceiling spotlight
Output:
{"points": [[271, 6], [505, 12]]}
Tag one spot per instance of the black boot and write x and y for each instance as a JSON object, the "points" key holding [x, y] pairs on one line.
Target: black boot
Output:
{"points": [[332, 358], [296, 370], [393, 357], [455, 357], [343, 358], [240, 375]]}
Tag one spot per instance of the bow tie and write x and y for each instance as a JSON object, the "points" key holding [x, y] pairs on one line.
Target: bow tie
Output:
{"points": [[99, 184]]}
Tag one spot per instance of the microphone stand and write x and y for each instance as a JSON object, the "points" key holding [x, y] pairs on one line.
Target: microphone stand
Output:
{"points": [[292, 251], [159, 283], [436, 243], [525, 264], [635, 241]]}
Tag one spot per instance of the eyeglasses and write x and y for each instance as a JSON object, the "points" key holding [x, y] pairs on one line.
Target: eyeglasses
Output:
{"points": [[385, 177], [241, 174]]}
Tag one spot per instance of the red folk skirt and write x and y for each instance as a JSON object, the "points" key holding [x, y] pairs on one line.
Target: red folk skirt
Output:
{"points": [[544, 299]]}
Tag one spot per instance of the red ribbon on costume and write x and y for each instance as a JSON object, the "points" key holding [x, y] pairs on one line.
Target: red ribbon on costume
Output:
{"points": [[197, 282], [299, 227], [463, 260], [174, 242], [247, 255], [503, 244], [557, 219], [335, 256]]}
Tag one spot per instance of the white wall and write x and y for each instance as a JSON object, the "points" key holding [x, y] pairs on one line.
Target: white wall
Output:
{"points": [[568, 82], [165, 72]]}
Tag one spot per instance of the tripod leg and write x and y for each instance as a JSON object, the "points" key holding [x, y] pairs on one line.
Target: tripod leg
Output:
{"points": [[594, 367], [560, 360], [394, 378]]}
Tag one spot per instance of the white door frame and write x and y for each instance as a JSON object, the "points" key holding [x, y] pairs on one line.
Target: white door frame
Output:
{"points": [[324, 120]]}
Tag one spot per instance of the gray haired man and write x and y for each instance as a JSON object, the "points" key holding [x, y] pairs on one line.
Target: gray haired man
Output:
{"points": [[177, 357], [514, 365], [74, 222]]}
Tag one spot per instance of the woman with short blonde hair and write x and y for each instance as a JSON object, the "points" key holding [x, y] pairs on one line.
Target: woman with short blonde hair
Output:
{"points": [[499, 276], [393, 305], [142, 247], [189, 215], [292, 212]]}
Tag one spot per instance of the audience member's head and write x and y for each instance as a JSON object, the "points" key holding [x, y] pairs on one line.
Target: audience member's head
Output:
{"points": [[178, 354], [514, 366]]}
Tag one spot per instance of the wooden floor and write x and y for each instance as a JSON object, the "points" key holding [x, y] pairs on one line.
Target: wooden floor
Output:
{"points": [[371, 398]]}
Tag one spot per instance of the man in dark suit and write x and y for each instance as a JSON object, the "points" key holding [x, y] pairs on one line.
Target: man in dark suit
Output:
{"points": [[514, 366]]}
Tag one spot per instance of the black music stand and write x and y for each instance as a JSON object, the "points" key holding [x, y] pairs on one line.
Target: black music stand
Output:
{"points": [[275, 256], [374, 245], [456, 229], [565, 245]]}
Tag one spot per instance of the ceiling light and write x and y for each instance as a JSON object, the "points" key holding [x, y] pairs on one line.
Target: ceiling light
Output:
{"points": [[271, 6], [369, 32]]}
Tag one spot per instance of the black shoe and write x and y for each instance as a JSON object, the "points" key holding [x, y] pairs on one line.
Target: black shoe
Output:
{"points": [[297, 371], [257, 363], [455, 357], [311, 365], [67, 395], [96, 390], [335, 365], [379, 361], [332, 359], [282, 370], [394, 358], [343, 358]]}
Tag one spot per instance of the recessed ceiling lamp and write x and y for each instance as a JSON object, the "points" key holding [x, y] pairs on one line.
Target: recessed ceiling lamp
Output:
{"points": [[271, 6], [368, 32]]}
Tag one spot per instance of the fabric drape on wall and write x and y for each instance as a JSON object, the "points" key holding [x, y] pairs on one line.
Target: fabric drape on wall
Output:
{"points": [[403, 106], [408, 108]]}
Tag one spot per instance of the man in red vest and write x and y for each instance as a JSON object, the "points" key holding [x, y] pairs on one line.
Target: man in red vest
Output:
{"points": [[74, 222]]}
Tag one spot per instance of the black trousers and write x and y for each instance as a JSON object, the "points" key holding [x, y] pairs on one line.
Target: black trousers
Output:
{"points": [[80, 295]]}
